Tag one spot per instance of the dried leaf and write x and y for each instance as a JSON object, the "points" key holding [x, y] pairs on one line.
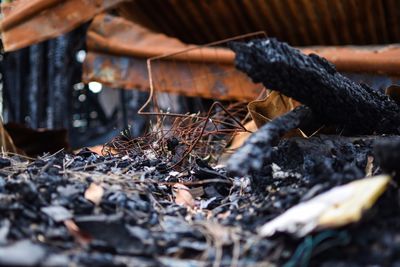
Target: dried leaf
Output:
{"points": [[272, 106], [263, 111], [183, 196], [241, 137], [94, 193]]}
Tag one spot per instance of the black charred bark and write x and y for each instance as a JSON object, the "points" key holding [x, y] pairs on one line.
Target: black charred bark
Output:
{"points": [[387, 155], [258, 148], [313, 81]]}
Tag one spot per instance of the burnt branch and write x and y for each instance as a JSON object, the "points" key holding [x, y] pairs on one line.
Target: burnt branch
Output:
{"points": [[314, 81], [258, 148]]}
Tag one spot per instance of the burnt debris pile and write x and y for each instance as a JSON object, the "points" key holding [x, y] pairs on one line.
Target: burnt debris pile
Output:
{"points": [[331, 99], [329, 199]]}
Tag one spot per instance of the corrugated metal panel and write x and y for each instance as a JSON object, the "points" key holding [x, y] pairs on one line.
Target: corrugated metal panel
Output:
{"points": [[299, 22], [27, 22], [119, 49]]}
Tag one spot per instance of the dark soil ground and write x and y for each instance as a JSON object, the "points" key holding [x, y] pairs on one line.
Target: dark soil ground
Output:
{"points": [[45, 219]]}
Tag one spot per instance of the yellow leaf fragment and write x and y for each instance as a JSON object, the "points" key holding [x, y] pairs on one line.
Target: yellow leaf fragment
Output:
{"points": [[337, 207], [365, 192], [241, 137]]}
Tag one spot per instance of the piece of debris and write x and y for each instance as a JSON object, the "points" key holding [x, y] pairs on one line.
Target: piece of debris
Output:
{"points": [[337, 207], [259, 146], [94, 193], [183, 196], [314, 82]]}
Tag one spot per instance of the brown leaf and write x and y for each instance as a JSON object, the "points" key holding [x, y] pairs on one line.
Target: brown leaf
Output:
{"points": [[263, 111], [183, 196], [94, 193], [272, 106], [241, 137]]}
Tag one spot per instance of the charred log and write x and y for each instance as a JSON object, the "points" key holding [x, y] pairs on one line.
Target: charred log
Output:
{"points": [[258, 148], [313, 81]]}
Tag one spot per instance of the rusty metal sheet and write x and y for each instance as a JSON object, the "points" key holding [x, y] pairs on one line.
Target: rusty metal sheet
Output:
{"points": [[116, 71], [26, 22], [132, 73], [299, 22], [365, 59], [118, 51], [118, 36]]}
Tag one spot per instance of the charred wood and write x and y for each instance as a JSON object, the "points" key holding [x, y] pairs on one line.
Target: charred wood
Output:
{"points": [[313, 81], [258, 148]]}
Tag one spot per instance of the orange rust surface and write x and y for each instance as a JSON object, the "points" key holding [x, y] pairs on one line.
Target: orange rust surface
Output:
{"points": [[131, 73], [116, 71], [118, 53], [118, 50], [118, 36], [376, 60], [26, 22]]}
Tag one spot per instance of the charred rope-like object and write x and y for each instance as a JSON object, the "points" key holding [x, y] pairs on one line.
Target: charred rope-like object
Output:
{"points": [[314, 81], [257, 149]]}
